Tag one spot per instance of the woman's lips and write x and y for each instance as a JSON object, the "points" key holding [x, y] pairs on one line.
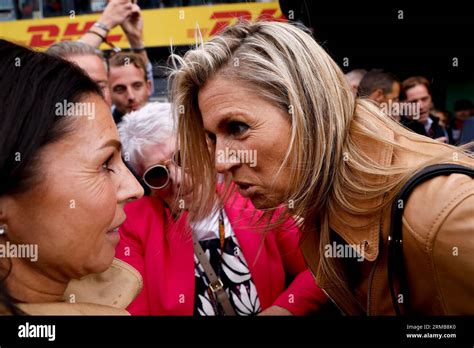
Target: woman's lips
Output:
{"points": [[113, 230], [246, 190], [113, 235]]}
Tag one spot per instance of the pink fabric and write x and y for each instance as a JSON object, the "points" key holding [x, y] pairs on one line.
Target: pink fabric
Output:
{"points": [[162, 251]]}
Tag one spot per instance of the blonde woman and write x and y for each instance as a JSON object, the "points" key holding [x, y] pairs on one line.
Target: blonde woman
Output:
{"points": [[253, 269], [335, 161]]}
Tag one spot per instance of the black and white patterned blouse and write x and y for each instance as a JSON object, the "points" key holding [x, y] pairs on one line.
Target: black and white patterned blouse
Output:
{"points": [[232, 269]]}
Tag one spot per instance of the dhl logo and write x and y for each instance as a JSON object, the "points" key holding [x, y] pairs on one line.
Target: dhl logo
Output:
{"points": [[225, 18], [44, 35]]}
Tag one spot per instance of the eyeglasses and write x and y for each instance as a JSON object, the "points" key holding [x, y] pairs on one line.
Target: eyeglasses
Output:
{"points": [[158, 176]]}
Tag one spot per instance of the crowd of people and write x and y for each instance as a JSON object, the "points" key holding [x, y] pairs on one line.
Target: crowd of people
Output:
{"points": [[395, 96], [237, 196]]}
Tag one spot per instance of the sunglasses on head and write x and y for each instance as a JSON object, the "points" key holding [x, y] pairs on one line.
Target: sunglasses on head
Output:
{"points": [[158, 176]]}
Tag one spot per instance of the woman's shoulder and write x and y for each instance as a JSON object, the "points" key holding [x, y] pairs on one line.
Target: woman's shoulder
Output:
{"points": [[439, 207], [438, 242]]}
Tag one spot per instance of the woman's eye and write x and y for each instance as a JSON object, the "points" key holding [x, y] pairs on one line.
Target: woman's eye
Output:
{"points": [[237, 128], [106, 164]]}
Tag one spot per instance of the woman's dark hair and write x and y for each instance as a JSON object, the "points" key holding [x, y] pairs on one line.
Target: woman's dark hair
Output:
{"points": [[7, 304], [31, 85]]}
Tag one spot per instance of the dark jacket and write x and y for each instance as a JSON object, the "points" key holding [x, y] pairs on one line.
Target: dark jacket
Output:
{"points": [[117, 116], [436, 131], [467, 134]]}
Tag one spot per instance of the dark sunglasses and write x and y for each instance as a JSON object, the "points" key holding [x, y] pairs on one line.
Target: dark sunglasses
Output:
{"points": [[158, 176]]}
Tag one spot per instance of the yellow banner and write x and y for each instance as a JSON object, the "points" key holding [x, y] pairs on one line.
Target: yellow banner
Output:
{"points": [[162, 27]]}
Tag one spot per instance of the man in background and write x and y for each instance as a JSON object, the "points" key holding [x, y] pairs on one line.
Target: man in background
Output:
{"points": [[379, 86], [354, 77], [88, 58], [417, 89], [383, 88], [129, 84], [86, 54]]}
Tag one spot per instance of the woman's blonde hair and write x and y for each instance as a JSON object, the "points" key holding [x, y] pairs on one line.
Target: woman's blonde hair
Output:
{"points": [[285, 65]]}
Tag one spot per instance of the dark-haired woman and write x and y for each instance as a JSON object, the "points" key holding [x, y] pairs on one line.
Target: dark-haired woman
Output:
{"points": [[62, 189]]}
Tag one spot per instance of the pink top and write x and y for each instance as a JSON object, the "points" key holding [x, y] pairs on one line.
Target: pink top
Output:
{"points": [[161, 249]]}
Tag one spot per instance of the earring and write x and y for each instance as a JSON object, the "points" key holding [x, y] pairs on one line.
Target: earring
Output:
{"points": [[3, 229]]}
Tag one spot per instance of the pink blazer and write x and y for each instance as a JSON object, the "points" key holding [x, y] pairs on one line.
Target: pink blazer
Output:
{"points": [[162, 251]]}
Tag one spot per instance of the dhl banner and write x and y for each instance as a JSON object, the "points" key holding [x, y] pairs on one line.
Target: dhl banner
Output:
{"points": [[162, 27]]}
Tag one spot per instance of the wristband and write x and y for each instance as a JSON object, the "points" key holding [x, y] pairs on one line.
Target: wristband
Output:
{"points": [[101, 26], [96, 33], [138, 49]]}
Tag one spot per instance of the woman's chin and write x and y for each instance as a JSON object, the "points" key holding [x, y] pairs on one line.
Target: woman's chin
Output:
{"points": [[263, 202], [102, 263]]}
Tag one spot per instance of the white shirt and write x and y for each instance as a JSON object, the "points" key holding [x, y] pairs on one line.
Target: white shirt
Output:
{"points": [[428, 124], [208, 228]]}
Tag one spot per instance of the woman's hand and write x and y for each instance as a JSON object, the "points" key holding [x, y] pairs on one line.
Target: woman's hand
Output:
{"points": [[275, 310]]}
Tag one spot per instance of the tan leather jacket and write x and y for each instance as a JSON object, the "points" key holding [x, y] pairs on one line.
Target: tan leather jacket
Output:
{"points": [[438, 242], [107, 293]]}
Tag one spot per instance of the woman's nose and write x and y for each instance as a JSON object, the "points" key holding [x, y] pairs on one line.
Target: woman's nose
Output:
{"points": [[225, 158], [129, 188]]}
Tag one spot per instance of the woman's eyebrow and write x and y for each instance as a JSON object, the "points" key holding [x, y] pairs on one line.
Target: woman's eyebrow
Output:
{"points": [[112, 142], [224, 121]]}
